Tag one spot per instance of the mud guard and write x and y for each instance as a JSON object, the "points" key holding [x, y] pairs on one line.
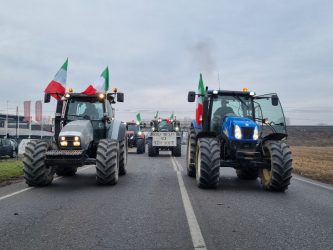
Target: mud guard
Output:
{"points": [[117, 130]]}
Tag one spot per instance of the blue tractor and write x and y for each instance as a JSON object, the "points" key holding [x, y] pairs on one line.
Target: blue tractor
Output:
{"points": [[241, 130]]}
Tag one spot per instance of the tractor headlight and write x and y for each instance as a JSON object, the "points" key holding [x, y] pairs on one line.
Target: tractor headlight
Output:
{"points": [[255, 134], [176, 129], [76, 143], [139, 133], [63, 143], [238, 132], [152, 129]]}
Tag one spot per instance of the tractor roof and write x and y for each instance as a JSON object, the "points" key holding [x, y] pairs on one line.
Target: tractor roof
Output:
{"points": [[229, 93]]}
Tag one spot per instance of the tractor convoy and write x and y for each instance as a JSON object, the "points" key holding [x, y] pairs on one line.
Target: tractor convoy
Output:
{"points": [[236, 129]]}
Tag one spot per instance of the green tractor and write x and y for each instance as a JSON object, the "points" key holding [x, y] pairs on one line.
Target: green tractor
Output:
{"points": [[241, 130], [85, 133]]}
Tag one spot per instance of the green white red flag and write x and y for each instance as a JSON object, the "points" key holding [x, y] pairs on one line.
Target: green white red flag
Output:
{"points": [[199, 109], [57, 87], [100, 85], [138, 118]]}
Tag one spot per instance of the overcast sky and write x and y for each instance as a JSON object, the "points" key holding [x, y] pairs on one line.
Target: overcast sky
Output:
{"points": [[156, 49]]}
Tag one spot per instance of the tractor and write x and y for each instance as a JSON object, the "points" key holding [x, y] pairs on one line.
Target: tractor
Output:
{"points": [[85, 132], [242, 130], [165, 136], [135, 137]]}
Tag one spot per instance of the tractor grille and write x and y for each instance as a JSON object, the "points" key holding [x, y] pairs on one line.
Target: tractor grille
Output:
{"points": [[247, 133]]}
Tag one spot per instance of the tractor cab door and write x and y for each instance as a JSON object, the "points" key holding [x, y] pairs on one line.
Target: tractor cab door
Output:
{"points": [[269, 113]]}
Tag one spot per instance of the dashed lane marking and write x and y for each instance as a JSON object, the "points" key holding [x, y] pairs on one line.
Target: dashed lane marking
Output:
{"points": [[196, 235]]}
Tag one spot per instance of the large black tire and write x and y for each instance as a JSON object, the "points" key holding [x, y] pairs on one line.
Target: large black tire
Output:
{"points": [[276, 177], [177, 151], [207, 163], [151, 150], [107, 171], [123, 152], [66, 171], [140, 146], [190, 159], [36, 172], [247, 173]]}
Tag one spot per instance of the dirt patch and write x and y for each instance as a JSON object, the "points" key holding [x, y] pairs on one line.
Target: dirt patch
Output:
{"points": [[314, 162]]}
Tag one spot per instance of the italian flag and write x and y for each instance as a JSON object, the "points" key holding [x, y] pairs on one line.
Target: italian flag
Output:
{"points": [[100, 85], [171, 116], [57, 87], [199, 109], [156, 115], [138, 118]]}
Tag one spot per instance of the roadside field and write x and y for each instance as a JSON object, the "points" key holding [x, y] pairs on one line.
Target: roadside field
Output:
{"points": [[10, 170], [314, 162]]}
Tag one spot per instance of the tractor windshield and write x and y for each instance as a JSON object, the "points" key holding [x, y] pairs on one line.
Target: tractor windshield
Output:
{"points": [[165, 126], [222, 106], [133, 127], [81, 109], [273, 115]]}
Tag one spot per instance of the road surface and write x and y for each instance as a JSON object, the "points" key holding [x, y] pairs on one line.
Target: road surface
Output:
{"points": [[156, 206]]}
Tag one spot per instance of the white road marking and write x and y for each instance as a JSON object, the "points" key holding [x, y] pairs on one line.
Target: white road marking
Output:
{"points": [[26, 189], [196, 235], [313, 183]]}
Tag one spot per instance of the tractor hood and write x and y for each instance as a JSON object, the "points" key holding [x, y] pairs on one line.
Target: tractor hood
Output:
{"points": [[80, 128], [246, 125]]}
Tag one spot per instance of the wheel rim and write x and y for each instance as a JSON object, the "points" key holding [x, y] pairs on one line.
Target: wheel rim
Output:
{"points": [[266, 176]]}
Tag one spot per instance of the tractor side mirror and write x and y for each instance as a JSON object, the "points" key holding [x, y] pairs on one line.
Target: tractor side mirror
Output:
{"points": [[47, 98], [275, 100], [191, 96], [120, 97]]}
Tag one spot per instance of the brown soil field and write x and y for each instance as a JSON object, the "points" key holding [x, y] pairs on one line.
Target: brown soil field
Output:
{"points": [[314, 162]]}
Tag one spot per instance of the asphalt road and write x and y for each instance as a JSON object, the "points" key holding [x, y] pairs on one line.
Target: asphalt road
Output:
{"points": [[156, 206]]}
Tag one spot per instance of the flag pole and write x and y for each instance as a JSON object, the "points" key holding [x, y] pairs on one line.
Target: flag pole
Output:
{"points": [[17, 122]]}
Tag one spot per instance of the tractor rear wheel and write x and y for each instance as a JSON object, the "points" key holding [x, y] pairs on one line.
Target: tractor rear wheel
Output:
{"points": [[208, 163], [36, 172], [66, 171], [247, 173], [107, 165], [140, 146], [190, 159], [177, 151], [276, 177], [123, 152]]}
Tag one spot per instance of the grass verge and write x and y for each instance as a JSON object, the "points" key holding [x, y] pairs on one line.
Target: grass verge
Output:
{"points": [[10, 170], [314, 162]]}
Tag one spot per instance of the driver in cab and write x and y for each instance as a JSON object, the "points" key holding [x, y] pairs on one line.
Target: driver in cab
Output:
{"points": [[220, 113]]}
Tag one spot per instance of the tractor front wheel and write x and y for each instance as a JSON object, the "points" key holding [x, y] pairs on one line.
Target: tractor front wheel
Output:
{"points": [[277, 175], [190, 159], [207, 163], [123, 152], [107, 165], [36, 172]]}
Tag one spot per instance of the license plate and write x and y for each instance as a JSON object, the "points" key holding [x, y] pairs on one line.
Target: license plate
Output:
{"points": [[164, 139]]}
